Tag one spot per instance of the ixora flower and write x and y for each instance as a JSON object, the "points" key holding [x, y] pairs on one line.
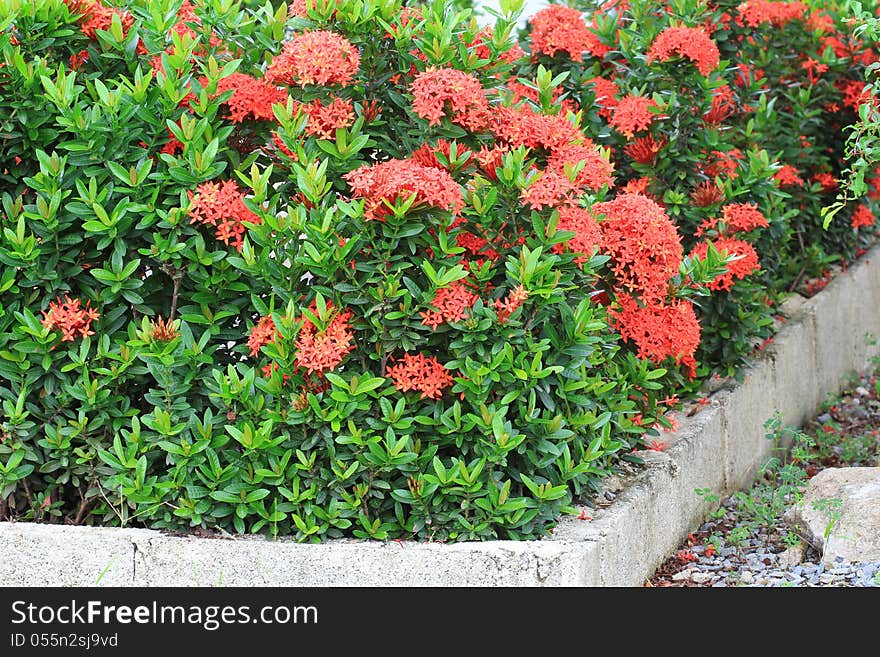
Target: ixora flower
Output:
{"points": [[450, 304], [746, 260], [251, 97], [643, 243], [587, 233], [743, 217], [505, 307], [659, 330], [438, 88], [96, 16], [221, 205], [632, 114], [755, 12], [70, 317], [562, 29], [322, 350], [788, 176], [320, 57], [324, 120], [689, 42], [262, 333], [862, 217], [644, 150], [423, 373], [384, 183]]}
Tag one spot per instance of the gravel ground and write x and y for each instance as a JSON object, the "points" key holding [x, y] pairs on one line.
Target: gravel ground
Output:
{"points": [[732, 549]]}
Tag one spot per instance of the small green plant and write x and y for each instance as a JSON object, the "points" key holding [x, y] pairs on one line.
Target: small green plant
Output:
{"points": [[831, 508], [781, 483]]}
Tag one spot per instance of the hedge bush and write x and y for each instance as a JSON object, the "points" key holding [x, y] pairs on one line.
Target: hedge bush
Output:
{"points": [[348, 268]]}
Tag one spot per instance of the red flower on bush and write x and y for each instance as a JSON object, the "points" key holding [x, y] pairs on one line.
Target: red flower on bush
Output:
{"points": [[505, 307], [438, 88], [788, 176], [659, 330], [70, 317], [826, 180], [587, 233], [323, 350], [263, 332], [644, 149], [96, 16], [643, 243], [548, 189], [423, 373], [222, 206], [251, 97], [450, 304], [862, 217], [689, 42], [324, 120], [707, 193], [562, 29], [743, 217], [606, 93], [596, 172], [320, 57], [755, 12], [745, 264], [632, 114], [384, 183]]}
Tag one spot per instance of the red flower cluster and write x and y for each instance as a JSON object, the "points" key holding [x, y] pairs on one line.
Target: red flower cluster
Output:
{"points": [[562, 29], [70, 317], [504, 308], [384, 183], [606, 93], [643, 243], [597, 170], [96, 16], [251, 97], [263, 332], [587, 233], [632, 114], [644, 149], [707, 193], [423, 373], [660, 330], [743, 217], [788, 176], [862, 217], [222, 206], [755, 12], [325, 119], [826, 180], [320, 57], [548, 189], [436, 88], [450, 304], [745, 264], [689, 42], [322, 351]]}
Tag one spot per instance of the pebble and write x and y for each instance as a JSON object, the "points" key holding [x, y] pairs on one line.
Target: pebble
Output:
{"points": [[701, 578], [682, 575], [746, 577]]}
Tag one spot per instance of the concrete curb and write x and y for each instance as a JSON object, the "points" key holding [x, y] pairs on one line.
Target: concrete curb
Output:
{"points": [[719, 448]]}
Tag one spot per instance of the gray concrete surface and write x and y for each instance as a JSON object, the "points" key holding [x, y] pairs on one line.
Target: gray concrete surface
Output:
{"points": [[719, 448]]}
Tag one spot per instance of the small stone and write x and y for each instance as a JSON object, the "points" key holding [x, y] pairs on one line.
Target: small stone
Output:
{"points": [[793, 555], [719, 584], [746, 577], [823, 418], [682, 575], [701, 578], [861, 391]]}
